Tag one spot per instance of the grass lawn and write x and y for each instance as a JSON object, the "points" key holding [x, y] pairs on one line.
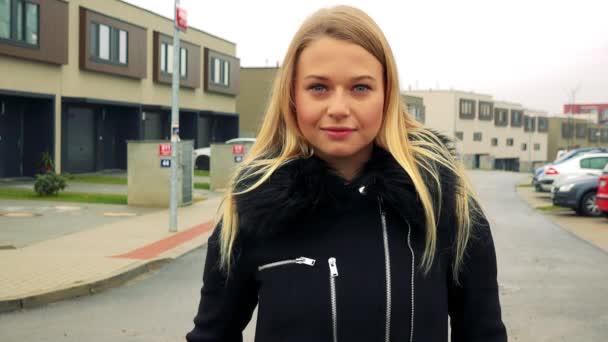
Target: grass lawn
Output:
{"points": [[80, 197], [552, 208], [96, 179], [201, 173], [204, 186], [524, 185]]}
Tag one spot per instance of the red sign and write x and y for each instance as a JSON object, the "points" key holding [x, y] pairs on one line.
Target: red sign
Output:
{"points": [[181, 19], [238, 149], [164, 149]]}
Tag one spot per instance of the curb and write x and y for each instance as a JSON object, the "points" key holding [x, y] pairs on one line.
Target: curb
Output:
{"points": [[88, 289]]}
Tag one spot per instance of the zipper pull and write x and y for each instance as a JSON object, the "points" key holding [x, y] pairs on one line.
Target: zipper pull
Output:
{"points": [[305, 261], [333, 269]]}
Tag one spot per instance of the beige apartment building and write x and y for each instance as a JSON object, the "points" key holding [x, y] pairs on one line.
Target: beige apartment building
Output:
{"points": [[489, 134], [567, 133], [81, 77], [251, 103]]}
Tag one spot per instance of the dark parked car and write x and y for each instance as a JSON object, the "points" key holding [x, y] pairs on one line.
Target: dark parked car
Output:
{"points": [[578, 193]]}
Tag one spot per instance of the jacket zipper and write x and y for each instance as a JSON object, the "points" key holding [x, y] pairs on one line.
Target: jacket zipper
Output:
{"points": [[300, 261], [333, 274], [387, 263]]}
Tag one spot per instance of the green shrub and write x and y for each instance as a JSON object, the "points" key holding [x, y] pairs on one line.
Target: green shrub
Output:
{"points": [[49, 184]]}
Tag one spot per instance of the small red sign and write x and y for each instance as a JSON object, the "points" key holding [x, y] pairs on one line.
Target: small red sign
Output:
{"points": [[238, 149], [164, 149], [181, 19]]}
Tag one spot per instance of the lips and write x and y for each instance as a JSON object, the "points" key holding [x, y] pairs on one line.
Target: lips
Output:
{"points": [[338, 129]]}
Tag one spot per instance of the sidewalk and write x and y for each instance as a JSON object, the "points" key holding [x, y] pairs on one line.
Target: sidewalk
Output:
{"points": [[87, 262]]}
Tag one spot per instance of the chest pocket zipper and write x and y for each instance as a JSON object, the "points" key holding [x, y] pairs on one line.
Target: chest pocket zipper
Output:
{"points": [[333, 274], [299, 261]]}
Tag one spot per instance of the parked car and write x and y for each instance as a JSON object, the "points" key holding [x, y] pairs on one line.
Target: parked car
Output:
{"points": [[602, 192], [578, 193], [563, 158], [590, 164], [202, 156]]}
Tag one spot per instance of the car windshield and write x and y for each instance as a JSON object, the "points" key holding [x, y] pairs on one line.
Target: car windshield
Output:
{"points": [[570, 155]]}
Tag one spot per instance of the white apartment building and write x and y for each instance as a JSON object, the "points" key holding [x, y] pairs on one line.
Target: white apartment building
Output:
{"points": [[489, 134]]}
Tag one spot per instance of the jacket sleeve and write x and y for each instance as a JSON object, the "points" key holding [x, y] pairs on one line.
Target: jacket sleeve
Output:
{"points": [[473, 303], [226, 303]]}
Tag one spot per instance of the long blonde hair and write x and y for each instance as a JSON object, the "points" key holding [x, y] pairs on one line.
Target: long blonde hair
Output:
{"points": [[414, 147]]}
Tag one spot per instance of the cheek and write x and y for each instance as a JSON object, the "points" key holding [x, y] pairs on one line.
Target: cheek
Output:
{"points": [[373, 114], [306, 116]]}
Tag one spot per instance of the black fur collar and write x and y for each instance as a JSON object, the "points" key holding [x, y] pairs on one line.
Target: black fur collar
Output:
{"points": [[304, 187]]}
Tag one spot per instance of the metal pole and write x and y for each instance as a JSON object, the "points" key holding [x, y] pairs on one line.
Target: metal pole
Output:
{"points": [[174, 122]]}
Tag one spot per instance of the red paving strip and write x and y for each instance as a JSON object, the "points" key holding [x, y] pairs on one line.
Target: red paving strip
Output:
{"points": [[154, 249]]}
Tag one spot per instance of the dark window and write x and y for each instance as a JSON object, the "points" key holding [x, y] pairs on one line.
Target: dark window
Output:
{"points": [[594, 134], [477, 136], [467, 109], [494, 141], [20, 21], [581, 130], [166, 60], [524, 146], [516, 118], [604, 135], [109, 44], [536, 147], [459, 136], [529, 123], [509, 141], [416, 111], [220, 71], [567, 129], [501, 117], [543, 124], [597, 163], [486, 110]]}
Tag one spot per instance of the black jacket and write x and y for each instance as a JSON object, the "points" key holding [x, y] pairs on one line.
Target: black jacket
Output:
{"points": [[305, 214]]}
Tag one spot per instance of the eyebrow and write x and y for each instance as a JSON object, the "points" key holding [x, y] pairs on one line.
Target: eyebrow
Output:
{"points": [[354, 79]]}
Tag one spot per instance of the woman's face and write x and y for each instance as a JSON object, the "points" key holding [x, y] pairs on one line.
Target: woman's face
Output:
{"points": [[339, 95]]}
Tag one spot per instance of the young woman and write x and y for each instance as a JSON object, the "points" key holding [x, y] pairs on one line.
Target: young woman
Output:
{"points": [[348, 221]]}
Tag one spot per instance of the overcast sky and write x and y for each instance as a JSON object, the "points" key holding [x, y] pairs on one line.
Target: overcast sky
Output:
{"points": [[529, 51]]}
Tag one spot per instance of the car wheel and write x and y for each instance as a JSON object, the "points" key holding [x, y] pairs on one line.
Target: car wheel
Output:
{"points": [[538, 188], [588, 205]]}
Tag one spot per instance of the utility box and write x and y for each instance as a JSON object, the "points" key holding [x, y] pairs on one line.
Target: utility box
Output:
{"points": [[149, 173], [225, 158]]}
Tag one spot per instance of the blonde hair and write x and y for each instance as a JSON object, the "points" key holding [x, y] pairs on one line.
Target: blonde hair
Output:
{"points": [[414, 147]]}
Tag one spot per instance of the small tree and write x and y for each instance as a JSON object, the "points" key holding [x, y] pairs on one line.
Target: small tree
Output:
{"points": [[49, 184], [47, 164]]}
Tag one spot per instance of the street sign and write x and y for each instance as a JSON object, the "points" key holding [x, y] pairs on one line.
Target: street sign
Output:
{"points": [[164, 149], [181, 19], [165, 163], [238, 149]]}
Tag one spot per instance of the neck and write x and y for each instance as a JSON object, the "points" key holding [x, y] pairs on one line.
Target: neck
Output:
{"points": [[348, 167]]}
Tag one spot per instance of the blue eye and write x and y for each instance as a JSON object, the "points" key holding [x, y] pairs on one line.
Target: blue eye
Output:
{"points": [[317, 88], [362, 88]]}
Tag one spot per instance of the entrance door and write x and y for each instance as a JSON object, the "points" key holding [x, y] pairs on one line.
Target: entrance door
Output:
{"points": [[80, 140], [11, 137]]}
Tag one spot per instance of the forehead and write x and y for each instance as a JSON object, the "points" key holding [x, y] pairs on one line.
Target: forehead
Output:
{"points": [[328, 56]]}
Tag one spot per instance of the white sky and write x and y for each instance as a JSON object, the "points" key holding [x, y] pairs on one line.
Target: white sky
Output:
{"points": [[529, 51]]}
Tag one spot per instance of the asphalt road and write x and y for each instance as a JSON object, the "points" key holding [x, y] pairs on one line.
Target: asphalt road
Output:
{"points": [[554, 287]]}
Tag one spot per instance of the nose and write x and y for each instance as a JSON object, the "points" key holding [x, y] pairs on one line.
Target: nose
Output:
{"points": [[338, 106]]}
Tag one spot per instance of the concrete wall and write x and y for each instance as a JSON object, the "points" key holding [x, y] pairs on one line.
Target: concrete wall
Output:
{"points": [[148, 184], [223, 165], [251, 103]]}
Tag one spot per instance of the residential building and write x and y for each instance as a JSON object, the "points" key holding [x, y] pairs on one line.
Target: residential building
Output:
{"points": [[251, 103], [567, 133], [414, 106], [488, 134], [81, 77]]}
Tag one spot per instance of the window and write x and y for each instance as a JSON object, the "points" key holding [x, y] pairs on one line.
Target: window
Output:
{"points": [[524, 146], [509, 141], [567, 129], [581, 130], [477, 136], [536, 147], [543, 124], [529, 123], [467, 109], [594, 134], [501, 117], [516, 118], [166, 60], [459, 136], [494, 141], [109, 44], [416, 111], [604, 135], [19, 21], [220, 71], [597, 163], [485, 110]]}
